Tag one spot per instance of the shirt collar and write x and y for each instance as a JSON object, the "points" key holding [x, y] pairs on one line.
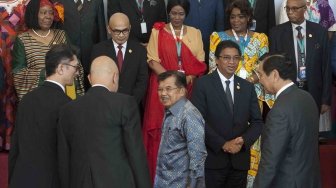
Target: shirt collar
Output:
{"points": [[53, 81], [95, 85], [177, 106], [283, 89], [116, 45], [223, 78], [303, 25]]}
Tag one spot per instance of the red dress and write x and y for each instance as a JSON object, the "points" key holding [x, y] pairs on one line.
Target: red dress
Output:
{"points": [[154, 110]]}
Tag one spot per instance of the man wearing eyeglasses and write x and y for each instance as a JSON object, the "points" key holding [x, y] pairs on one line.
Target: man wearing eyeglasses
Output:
{"points": [[128, 54], [233, 121], [307, 44], [182, 150], [33, 156]]}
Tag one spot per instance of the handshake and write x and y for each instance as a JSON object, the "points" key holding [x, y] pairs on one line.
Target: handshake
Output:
{"points": [[233, 146]]}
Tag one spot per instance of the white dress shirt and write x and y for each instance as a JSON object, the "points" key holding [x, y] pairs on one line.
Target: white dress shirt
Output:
{"points": [[52, 81], [283, 89], [123, 50], [231, 85]]}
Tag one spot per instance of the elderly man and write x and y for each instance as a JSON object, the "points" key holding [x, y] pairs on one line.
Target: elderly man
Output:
{"points": [[289, 140], [232, 116], [182, 150], [129, 55], [306, 44], [33, 156], [99, 136]]}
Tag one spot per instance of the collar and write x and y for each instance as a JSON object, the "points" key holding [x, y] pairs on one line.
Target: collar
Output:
{"points": [[53, 81], [101, 85], [283, 89], [223, 78], [116, 45], [303, 25], [175, 109]]}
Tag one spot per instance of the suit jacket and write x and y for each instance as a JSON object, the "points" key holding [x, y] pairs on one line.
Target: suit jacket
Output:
{"points": [[220, 125], [33, 155], [134, 73], [264, 14], [84, 28], [100, 144], [289, 143], [317, 57], [153, 11]]}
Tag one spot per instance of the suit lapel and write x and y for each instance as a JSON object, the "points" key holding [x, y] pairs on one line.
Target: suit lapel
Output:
{"points": [[309, 44], [134, 4], [219, 89], [127, 57], [290, 44], [237, 95], [114, 53]]}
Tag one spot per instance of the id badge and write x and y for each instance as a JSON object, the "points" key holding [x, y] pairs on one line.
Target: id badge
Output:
{"points": [[302, 73], [254, 25], [143, 26]]}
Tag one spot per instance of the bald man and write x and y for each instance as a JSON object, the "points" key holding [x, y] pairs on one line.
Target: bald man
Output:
{"points": [[306, 44], [128, 54], [99, 138]]}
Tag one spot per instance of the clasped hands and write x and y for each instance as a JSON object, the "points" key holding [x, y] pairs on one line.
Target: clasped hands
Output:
{"points": [[233, 146]]}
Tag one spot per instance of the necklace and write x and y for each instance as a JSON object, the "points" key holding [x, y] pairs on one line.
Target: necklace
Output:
{"points": [[42, 36]]}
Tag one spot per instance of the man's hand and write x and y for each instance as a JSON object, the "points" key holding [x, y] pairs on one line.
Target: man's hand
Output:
{"points": [[233, 146], [324, 108]]}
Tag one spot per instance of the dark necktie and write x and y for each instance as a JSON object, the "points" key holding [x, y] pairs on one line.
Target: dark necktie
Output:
{"points": [[120, 57], [300, 50], [79, 5], [228, 95]]}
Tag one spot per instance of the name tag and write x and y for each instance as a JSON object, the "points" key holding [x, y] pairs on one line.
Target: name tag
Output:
{"points": [[143, 26], [302, 73]]}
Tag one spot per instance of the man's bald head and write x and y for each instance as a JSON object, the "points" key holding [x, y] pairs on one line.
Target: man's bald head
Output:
{"points": [[119, 28], [104, 71]]}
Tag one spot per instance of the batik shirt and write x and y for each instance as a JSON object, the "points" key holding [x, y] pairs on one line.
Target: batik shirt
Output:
{"points": [[182, 151]]}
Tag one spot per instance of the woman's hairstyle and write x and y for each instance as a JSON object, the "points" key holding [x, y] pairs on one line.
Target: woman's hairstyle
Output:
{"points": [[31, 16], [183, 3], [244, 7]]}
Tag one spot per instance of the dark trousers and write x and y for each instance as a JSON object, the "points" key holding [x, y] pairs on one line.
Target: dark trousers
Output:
{"points": [[225, 178]]}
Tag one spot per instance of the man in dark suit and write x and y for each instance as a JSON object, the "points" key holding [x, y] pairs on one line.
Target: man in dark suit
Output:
{"points": [[131, 58], [289, 139], [99, 137], [142, 14], [233, 121], [306, 43], [33, 156], [84, 23]]}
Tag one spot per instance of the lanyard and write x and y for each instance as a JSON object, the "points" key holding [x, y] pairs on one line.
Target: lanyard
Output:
{"points": [[244, 42], [178, 44]]}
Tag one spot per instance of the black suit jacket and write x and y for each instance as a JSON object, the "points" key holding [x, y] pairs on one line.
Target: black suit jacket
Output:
{"points": [[100, 144], [151, 14], [317, 57], [33, 155], [264, 14], [289, 143], [84, 28], [220, 125], [134, 73]]}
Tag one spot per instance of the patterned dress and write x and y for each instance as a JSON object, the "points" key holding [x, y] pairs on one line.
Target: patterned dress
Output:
{"points": [[29, 62], [11, 19]]}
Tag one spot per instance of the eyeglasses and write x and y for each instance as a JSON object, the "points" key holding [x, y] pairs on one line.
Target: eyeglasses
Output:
{"points": [[240, 16], [176, 14], [74, 66], [294, 9], [117, 32], [167, 89], [226, 58]]}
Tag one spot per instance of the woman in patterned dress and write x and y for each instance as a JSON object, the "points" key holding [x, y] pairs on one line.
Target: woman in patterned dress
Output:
{"points": [[253, 46], [31, 46]]}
